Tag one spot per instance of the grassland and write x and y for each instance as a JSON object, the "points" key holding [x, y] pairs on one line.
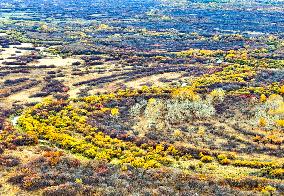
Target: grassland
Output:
{"points": [[167, 98]]}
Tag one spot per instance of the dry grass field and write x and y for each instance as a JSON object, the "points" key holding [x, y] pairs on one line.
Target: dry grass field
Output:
{"points": [[141, 97]]}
